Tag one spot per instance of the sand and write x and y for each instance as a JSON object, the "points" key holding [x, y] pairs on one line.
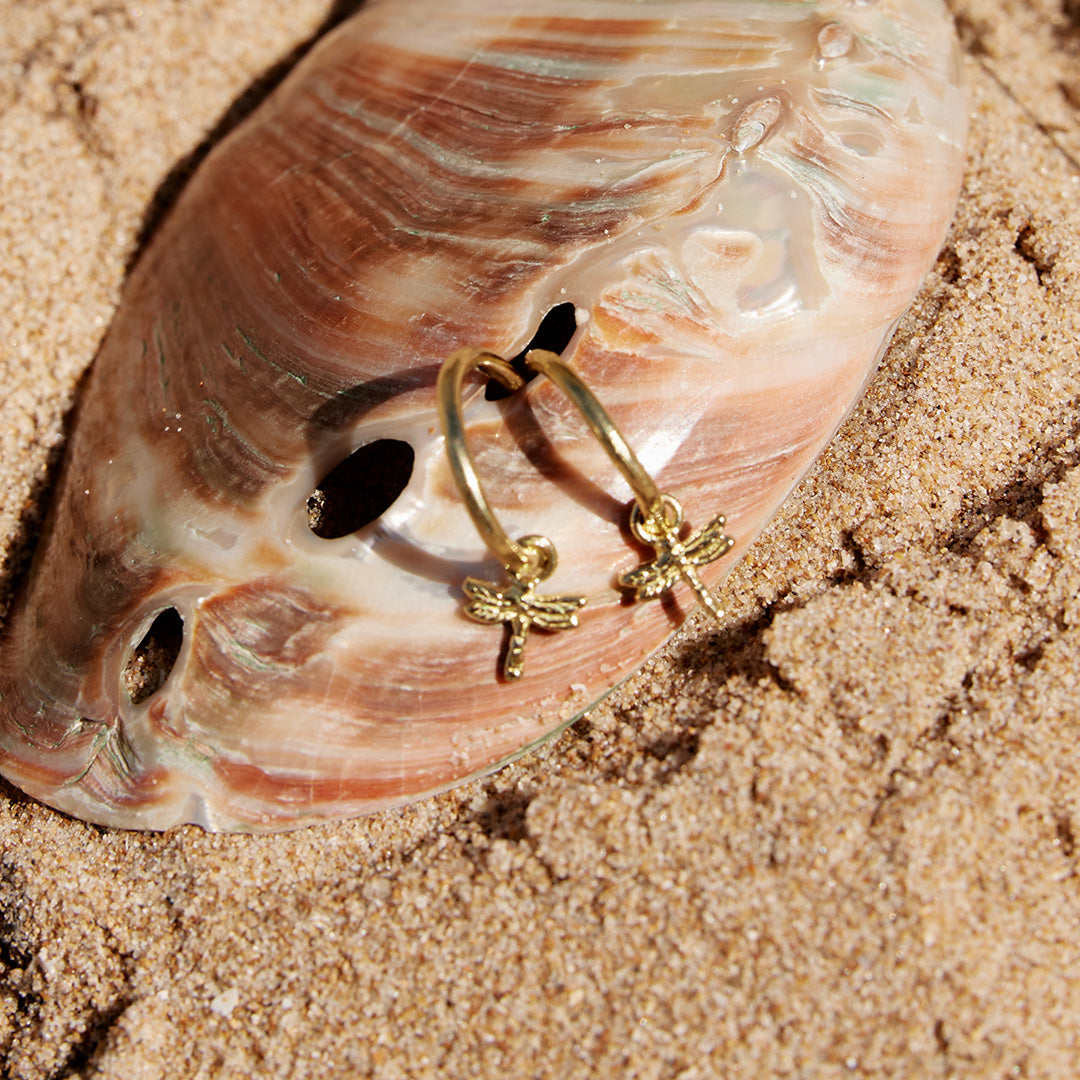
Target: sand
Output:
{"points": [[837, 837]]}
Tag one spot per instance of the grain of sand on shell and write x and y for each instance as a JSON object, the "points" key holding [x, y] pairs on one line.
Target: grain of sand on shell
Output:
{"points": [[837, 838]]}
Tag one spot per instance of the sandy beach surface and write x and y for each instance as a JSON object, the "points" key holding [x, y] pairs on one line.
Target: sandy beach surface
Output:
{"points": [[838, 837]]}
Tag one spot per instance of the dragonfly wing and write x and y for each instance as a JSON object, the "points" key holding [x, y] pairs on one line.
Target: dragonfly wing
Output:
{"points": [[709, 544], [650, 580], [555, 612], [486, 603]]}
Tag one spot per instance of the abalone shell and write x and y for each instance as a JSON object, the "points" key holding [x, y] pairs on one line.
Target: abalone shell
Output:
{"points": [[739, 199]]}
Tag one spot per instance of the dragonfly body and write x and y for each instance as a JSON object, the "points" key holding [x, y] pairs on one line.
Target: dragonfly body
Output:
{"points": [[675, 558], [521, 609]]}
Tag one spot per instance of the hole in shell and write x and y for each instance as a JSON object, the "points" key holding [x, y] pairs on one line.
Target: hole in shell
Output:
{"points": [[153, 658], [360, 489], [556, 329]]}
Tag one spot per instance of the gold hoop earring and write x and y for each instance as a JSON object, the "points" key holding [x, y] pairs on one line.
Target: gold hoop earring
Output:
{"points": [[656, 518], [529, 560]]}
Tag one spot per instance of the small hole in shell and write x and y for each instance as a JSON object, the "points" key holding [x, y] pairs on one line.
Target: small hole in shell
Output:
{"points": [[556, 329], [153, 658], [362, 488]]}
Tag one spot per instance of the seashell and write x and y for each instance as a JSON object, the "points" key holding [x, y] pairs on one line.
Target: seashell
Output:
{"points": [[715, 210]]}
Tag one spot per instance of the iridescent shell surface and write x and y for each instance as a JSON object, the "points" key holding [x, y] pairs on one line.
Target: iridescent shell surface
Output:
{"points": [[738, 198]]}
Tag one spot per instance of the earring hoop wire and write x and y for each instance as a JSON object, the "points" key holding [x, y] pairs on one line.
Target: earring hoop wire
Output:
{"points": [[514, 556], [656, 518], [517, 556]]}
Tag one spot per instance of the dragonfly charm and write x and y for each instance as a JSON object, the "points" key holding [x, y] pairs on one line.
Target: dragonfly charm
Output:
{"points": [[675, 558], [521, 609]]}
